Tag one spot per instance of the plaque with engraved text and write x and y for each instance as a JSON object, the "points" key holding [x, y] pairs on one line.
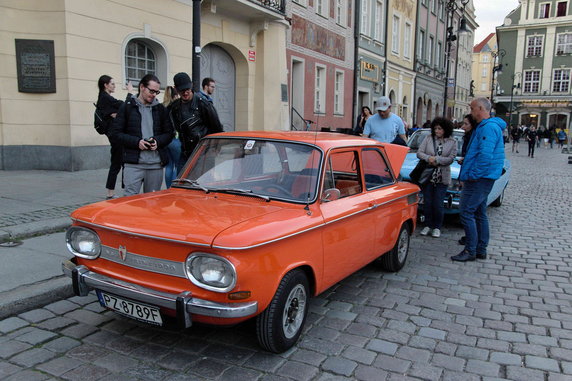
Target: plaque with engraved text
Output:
{"points": [[36, 66]]}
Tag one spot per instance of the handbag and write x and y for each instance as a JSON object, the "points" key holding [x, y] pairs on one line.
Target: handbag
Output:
{"points": [[421, 173]]}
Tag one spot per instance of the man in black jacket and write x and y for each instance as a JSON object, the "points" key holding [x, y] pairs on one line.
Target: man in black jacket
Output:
{"points": [[193, 117], [143, 128]]}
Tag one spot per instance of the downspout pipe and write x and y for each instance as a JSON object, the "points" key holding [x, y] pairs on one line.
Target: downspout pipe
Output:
{"points": [[196, 45], [356, 59]]}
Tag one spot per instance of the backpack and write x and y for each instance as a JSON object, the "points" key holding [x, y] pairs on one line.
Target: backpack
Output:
{"points": [[99, 122]]}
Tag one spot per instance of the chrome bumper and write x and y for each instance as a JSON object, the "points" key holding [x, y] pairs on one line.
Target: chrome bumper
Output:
{"points": [[84, 280]]}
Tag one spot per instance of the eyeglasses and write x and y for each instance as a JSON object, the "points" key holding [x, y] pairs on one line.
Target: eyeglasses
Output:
{"points": [[156, 92]]}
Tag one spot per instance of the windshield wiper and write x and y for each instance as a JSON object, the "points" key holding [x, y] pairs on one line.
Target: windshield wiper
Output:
{"points": [[194, 183], [240, 191]]}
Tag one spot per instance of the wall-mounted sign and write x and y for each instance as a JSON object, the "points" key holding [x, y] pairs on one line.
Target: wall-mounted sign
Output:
{"points": [[251, 55], [369, 71], [36, 66]]}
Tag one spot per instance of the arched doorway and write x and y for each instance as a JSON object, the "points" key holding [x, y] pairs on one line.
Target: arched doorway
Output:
{"points": [[419, 117], [429, 110], [219, 65]]}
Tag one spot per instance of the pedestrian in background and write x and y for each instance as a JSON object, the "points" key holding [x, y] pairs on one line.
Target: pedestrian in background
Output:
{"points": [[482, 165], [172, 168], [208, 88], [439, 150], [561, 137], [515, 134], [531, 138], [108, 106], [361, 119], [384, 126], [143, 128]]}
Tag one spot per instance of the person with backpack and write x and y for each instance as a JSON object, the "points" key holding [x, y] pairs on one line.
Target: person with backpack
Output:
{"points": [[105, 111], [561, 137]]}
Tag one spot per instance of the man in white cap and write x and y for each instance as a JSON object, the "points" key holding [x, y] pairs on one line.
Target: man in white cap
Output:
{"points": [[385, 125]]}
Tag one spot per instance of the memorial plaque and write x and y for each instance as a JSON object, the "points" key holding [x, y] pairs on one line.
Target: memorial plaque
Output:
{"points": [[36, 66]]}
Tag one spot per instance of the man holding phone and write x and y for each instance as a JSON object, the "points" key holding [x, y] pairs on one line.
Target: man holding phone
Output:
{"points": [[143, 128]]}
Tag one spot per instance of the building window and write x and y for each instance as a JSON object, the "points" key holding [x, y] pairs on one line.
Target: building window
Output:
{"points": [[421, 45], [561, 8], [320, 90], [531, 81], [365, 17], [544, 11], [301, 2], [407, 41], [339, 93], [534, 47], [341, 12], [486, 58], [395, 35], [564, 43], [438, 54], [441, 10], [322, 7], [433, 6], [561, 81], [485, 72], [139, 61], [379, 19], [484, 86], [430, 48]]}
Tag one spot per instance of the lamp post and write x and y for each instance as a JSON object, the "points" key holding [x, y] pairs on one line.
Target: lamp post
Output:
{"points": [[451, 7], [517, 86], [496, 68]]}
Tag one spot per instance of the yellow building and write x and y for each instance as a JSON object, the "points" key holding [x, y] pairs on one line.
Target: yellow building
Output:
{"points": [[483, 66], [53, 52], [400, 76]]}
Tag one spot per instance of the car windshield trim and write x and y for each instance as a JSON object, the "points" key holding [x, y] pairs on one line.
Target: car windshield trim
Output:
{"points": [[247, 192], [194, 184]]}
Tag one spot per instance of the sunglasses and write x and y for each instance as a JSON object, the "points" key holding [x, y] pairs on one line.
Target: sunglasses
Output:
{"points": [[156, 92]]}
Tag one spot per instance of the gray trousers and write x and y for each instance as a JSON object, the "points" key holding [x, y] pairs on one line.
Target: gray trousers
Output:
{"points": [[133, 177]]}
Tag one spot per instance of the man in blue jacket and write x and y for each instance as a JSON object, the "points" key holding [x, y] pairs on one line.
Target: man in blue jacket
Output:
{"points": [[482, 165]]}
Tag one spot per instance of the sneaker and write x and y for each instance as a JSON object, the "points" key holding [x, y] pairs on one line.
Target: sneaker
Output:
{"points": [[463, 256], [425, 230], [436, 233]]}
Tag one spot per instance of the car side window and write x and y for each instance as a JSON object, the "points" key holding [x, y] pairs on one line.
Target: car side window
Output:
{"points": [[342, 173], [375, 169]]}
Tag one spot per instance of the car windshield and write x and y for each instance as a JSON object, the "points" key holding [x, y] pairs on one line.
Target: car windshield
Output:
{"points": [[255, 167], [415, 141]]}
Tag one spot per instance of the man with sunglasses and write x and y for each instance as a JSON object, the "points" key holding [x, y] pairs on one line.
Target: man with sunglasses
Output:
{"points": [[192, 116], [143, 128]]}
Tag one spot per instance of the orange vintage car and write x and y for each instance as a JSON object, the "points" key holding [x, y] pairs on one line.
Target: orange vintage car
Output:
{"points": [[256, 224]]}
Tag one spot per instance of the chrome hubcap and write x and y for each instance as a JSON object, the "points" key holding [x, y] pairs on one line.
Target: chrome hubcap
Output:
{"points": [[294, 311], [402, 246]]}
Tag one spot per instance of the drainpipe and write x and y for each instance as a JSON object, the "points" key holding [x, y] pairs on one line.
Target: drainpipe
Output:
{"points": [[196, 45], [356, 59]]}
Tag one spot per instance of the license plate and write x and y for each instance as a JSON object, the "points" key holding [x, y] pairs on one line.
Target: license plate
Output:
{"points": [[137, 311]]}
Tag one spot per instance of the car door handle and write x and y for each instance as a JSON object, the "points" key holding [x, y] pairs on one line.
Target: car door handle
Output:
{"points": [[372, 206]]}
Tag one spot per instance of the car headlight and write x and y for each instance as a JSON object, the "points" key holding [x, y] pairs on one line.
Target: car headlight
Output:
{"points": [[210, 272], [83, 243]]}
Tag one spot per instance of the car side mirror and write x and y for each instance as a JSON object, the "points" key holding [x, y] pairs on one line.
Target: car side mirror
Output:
{"points": [[331, 194]]}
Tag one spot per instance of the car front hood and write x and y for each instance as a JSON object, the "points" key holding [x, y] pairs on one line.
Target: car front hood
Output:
{"points": [[179, 214]]}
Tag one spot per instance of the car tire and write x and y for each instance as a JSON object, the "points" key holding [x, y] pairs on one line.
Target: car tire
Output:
{"points": [[280, 325], [499, 200], [395, 259]]}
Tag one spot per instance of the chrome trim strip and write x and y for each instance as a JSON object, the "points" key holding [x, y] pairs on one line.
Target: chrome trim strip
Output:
{"points": [[142, 235], [92, 280], [315, 227], [142, 262]]}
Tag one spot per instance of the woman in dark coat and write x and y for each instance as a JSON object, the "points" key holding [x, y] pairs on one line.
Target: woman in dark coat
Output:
{"points": [[108, 106]]}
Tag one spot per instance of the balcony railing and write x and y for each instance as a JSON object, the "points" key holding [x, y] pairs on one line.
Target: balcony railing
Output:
{"points": [[275, 5]]}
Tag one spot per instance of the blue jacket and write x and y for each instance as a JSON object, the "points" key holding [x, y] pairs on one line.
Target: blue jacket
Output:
{"points": [[485, 154]]}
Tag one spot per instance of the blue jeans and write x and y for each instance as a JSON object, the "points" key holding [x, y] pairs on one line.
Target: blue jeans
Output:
{"points": [[172, 168], [433, 204], [474, 214]]}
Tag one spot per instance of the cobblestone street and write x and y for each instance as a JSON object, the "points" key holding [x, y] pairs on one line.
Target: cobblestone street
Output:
{"points": [[507, 317]]}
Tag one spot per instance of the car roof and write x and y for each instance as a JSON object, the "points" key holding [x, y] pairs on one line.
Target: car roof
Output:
{"points": [[324, 140]]}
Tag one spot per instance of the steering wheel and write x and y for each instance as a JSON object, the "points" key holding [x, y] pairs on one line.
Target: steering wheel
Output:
{"points": [[281, 190]]}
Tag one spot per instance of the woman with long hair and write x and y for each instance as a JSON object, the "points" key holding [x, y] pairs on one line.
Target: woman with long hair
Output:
{"points": [[174, 148], [362, 118], [439, 150], [108, 107]]}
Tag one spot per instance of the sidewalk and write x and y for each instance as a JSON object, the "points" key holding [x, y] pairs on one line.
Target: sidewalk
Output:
{"points": [[34, 203]]}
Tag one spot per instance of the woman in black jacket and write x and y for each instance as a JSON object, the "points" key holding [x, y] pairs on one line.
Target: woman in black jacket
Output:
{"points": [[108, 106]]}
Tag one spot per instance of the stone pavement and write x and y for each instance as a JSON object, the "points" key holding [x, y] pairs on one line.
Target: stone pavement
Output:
{"points": [[507, 317]]}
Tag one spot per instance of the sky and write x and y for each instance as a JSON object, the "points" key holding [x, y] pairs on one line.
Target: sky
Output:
{"points": [[490, 14]]}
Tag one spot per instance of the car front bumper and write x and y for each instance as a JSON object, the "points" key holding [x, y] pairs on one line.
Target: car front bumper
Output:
{"points": [[184, 304]]}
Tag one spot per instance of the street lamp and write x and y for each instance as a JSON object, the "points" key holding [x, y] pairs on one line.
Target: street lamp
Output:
{"points": [[517, 86], [496, 68], [452, 6]]}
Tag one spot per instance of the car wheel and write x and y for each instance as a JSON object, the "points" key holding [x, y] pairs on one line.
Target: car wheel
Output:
{"points": [[499, 200], [280, 325], [395, 259]]}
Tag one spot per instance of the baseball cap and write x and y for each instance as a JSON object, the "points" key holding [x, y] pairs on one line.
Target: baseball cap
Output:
{"points": [[383, 103], [182, 81]]}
